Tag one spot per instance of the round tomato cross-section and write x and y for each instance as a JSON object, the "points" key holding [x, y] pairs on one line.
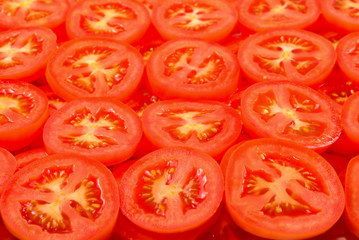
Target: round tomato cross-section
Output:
{"points": [[32, 13], [351, 195], [341, 14], [23, 110], [201, 19], [290, 111], [8, 167], [279, 189], [99, 129], [172, 190], [95, 67], [192, 69], [61, 197], [208, 126], [350, 117], [119, 19], [287, 54], [260, 15], [348, 55], [24, 52]]}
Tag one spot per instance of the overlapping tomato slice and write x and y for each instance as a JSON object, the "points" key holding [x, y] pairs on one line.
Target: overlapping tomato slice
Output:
{"points": [[32, 13], [202, 19], [95, 67], [99, 129], [281, 190], [119, 19], [341, 14], [290, 111], [348, 56], [205, 125], [294, 55], [260, 15], [171, 184], [57, 196]]}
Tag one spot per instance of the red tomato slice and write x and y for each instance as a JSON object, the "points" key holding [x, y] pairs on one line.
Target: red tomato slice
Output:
{"points": [[341, 14], [279, 189], [201, 19], [289, 54], [32, 13], [351, 196], [23, 110], [192, 69], [24, 52], [119, 19], [208, 126], [173, 190], [349, 117], [55, 102], [61, 197], [348, 55], [261, 15], [290, 111], [8, 167], [95, 67], [99, 129], [28, 156]]}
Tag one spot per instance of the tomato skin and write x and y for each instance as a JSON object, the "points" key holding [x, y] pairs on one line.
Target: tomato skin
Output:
{"points": [[271, 109], [99, 129], [287, 54], [170, 78], [247, 209], [131, 27], [103, 74], [40, 43], [182, 160], [174, 19], [172, 123], [98, 228], [256, 18]]}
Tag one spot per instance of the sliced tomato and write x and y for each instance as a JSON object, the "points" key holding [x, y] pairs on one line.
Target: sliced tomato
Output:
{"points": [[171, 184], [192, 69], [32, 13], [350, 118], [201, 19], [95, 67], [119, 19], [348, 56], [61, 196], [23, 110], [8, 167], [344, 146], [141, 100], [280, 189], [289, 54], [55, 102], [208, 126], [338, 162], [24, 52], [341, 14], [351, 196], [290, 111], [29, 156], [99, 129], [261, 15]]}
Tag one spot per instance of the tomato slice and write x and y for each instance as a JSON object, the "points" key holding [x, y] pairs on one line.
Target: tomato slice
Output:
{"points": [[55, 102], [8, 167], [24, 52], [290, 111], [23, 110], [29, 156], [280, 189], [288, 54], [32, 13], [192, 69], [348, 55], [341, 14], [171, 184], [261, 15], [349, 117], [119, 19], [95, 67], [208, 126], [201, 19], [61, 196], [99, 129], [351, 196]]}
